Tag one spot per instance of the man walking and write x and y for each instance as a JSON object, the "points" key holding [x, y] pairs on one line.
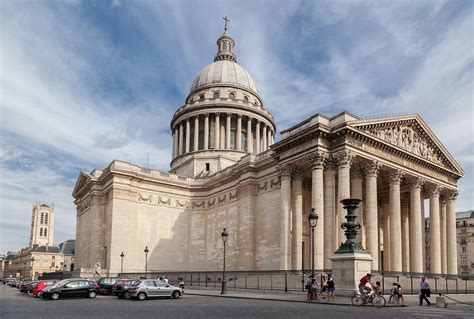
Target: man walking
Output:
{"points": [[425, 291]]}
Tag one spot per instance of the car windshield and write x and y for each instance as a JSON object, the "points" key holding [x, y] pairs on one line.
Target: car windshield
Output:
{"points": [[135, 283]]}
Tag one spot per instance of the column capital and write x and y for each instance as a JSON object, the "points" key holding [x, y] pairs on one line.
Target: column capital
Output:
{"points": [[416, 183], [285, 171], [239, 116], [372, 168], [433, 189], [330, 163], [452, 194], [396, 176], [296, 173], [357, 172], [188, 119], [344, 157], [317, 159]]}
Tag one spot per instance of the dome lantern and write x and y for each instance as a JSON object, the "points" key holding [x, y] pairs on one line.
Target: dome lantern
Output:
{"points": [[225, 45]]}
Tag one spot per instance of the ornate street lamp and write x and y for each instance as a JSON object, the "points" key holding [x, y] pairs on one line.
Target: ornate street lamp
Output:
{"points": [[224, 236], [313, 221], [146, 261], [121, 263]]}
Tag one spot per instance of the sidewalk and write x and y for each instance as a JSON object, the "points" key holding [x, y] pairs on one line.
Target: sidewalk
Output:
{"points": [[410, 300]]}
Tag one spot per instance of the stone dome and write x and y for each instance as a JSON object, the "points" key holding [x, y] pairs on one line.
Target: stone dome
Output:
{"points": [[224, 72]]}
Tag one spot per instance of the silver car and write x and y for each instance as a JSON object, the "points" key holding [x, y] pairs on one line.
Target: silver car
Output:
{"points": [[154, 288]]}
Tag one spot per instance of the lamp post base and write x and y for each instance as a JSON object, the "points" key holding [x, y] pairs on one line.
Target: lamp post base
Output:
{"points": [[224, 287]]}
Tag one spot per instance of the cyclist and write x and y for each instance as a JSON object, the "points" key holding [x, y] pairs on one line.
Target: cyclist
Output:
{"points": [[363, 289]]}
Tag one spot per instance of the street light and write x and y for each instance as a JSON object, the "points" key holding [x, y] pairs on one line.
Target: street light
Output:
{"points": [[224, 236], [32, 267], [121, 264], [313, 221], [146, 262]]}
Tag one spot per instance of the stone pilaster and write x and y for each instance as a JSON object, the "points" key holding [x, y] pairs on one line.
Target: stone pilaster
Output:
{"points": [[249, 136], [227, 131], [329, 211], [206, 131], [317, 160], [238, 136], [297, 219], [405, 233], [442, 229], [452, 255], [371, 214], [285, 194], [416, 227], [344, 161], [435, 244], [196, 133], [395, 221], [188, 134]]}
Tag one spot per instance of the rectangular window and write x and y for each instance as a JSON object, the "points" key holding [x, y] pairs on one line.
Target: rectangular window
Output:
{"points": [[208, 167]]}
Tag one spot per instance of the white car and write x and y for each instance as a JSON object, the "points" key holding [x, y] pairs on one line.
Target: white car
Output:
{"points": [[144, 289]]}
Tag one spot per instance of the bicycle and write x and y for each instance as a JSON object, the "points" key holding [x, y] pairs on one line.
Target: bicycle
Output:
{"points": [[378, 301]]}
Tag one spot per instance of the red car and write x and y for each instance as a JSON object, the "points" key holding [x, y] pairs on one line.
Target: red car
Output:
{"points": [[38, 291]]}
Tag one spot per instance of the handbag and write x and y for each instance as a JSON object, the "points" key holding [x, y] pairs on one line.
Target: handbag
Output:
{"points": [[428, 293]]}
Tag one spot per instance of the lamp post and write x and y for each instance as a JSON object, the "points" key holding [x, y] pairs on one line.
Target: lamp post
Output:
{"points": [[146, 261], [32, 267], [224, 236], [313, 221], [121, 263]]}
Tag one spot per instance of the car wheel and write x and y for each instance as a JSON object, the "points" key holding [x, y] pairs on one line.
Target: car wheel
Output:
{"points": [[126, 295], [55, 296], [30, 293], [119, 296], [39, 294], [141, 296], [92, 294], [175, 294]]}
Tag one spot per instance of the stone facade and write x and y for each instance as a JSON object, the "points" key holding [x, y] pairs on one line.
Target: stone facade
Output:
{"points": [[42, 225], [465, 240], [227, 172]]}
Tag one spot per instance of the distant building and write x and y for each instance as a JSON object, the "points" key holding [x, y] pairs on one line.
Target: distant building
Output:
{"points": [[41, 255], [465, 240]]}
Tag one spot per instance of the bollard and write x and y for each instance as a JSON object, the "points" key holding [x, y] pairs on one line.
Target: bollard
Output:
{"points": [[440, 302]]}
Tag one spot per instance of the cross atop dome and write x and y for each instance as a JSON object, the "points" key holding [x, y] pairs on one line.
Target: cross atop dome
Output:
{"points": [[225, 44]]}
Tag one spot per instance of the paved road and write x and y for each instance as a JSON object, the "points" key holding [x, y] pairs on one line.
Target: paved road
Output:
{"points": [[14, 304]]}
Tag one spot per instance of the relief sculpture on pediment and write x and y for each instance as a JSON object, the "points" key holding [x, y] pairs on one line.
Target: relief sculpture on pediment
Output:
{"points": [[407, 138]]}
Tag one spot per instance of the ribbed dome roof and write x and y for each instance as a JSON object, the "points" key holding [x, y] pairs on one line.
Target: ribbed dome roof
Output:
{"points": [[224, 72]]}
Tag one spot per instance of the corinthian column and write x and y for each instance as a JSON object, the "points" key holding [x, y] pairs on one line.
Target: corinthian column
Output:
{"points": [[297, 218], [218, 132], [435, 244], [344, 160], [227, 131], [269, 137], [285, 195], [239, 133], [385, 208], [317, 200], [206, 131], [181, 140], [188, 134], [395, 221], [196, 133], [405, 239], [264, 137], [329, 211], [416, 227], [257, 137], [442, 226], [371, 214], [249, 136], [452, 254]]}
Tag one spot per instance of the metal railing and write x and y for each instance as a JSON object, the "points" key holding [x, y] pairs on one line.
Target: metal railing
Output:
{"points": [[281, 280]]}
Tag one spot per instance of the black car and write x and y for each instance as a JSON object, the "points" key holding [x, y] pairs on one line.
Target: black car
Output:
{"points": [[121, 288], [106, 284], [71, 288], [27, 285]]}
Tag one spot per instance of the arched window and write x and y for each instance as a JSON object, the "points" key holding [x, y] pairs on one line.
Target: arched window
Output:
{"points": [[201, 97], [46, 218], [216, 95], [41, 231], [45, 232], [231, 96], [42, 218], [246, 98]]}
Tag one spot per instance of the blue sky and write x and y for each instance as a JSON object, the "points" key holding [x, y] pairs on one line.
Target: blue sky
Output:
{"points": [[86, 82]]}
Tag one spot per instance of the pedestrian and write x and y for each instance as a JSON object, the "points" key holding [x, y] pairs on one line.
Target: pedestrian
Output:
{"points": [[315, 289], [331, 288], [378, 288], [308, 284], [425, 291], [324, 287], [393, 293], [400, 293]]}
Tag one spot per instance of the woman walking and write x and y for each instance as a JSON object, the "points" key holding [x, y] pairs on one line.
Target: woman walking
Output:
{"points": [[331, 288]]}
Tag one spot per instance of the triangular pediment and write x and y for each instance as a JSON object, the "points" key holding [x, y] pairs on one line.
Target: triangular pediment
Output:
{"points": [[411, 134], [82, 180]]}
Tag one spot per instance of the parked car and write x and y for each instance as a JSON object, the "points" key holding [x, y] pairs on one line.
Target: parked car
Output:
{"points": [[26, 285], [120, 289], [38, 289], [106, 284], [70, 288], [144, 289], [12, 283]]}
